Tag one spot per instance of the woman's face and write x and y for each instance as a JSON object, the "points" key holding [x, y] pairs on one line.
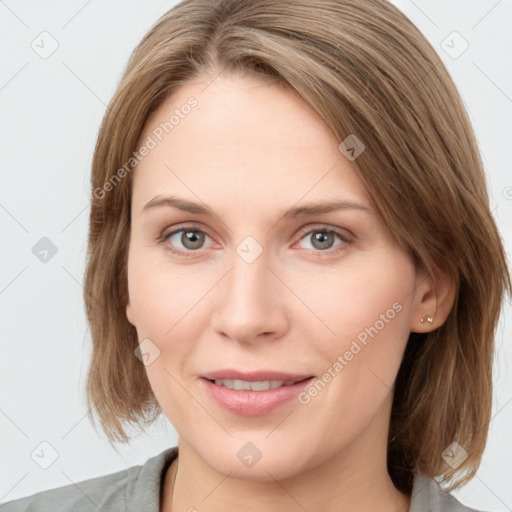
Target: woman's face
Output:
{"points": [[229, 291]]}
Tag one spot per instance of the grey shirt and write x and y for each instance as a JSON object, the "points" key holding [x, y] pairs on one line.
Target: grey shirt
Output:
{"points": [[137, 489]]}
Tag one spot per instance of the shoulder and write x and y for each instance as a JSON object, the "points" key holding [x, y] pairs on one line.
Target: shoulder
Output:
{"points": [[429, 496], [115, 492], [104, 493]]}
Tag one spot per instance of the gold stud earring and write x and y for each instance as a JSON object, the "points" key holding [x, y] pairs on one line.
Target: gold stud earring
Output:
{"points": [[430, 320]]}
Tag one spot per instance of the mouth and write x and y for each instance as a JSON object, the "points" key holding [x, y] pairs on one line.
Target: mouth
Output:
{"points": [[258, 385], [253, 394]]}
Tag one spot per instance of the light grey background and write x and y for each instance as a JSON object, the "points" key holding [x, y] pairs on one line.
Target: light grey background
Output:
{"points": [[51, 109]]}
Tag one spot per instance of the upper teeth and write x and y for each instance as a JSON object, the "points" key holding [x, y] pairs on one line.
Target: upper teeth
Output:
{"points": [[260, 385]]}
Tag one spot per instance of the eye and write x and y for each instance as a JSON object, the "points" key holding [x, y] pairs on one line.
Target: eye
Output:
{"points": [[184, 240], [323, 238], [188, 240]]}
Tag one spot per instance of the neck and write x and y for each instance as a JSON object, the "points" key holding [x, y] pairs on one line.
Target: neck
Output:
{"points": [[324, 488], [354, 479], [340, 493]]}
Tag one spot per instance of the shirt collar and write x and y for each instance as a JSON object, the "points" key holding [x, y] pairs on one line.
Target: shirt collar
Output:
{"points": [[144, 490]]}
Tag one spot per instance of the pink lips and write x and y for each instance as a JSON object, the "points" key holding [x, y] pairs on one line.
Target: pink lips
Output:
{"points": [[253, 403]]}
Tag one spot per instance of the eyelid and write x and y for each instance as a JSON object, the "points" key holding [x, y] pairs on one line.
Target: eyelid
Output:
{"points": [[343, 233], [167, 232]]}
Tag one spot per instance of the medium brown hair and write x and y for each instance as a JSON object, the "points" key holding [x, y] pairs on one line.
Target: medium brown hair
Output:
{"points": [[366, 70]]}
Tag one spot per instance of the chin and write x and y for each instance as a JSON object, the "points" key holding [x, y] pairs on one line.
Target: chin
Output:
{"points": [[258, 460]]}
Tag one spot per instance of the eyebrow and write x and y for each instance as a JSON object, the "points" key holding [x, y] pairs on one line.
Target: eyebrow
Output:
{"points": [[293, 212]]}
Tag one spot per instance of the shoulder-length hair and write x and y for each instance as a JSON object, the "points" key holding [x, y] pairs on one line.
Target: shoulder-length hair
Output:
{"points": [[366, 70]]}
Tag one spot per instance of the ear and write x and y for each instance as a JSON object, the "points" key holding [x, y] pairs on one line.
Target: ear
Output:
{"points": [[433, 300], [129, 312]]}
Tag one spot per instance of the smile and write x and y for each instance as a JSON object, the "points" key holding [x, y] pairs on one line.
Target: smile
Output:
{"points": [[253, 394], [244, 385]]}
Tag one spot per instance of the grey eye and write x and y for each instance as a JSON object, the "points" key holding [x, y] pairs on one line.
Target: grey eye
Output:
{"points": [[321, 239], [190, 239]]}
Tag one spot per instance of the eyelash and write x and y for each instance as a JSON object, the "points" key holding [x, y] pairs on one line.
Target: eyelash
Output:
{"points": [[306, 231]]}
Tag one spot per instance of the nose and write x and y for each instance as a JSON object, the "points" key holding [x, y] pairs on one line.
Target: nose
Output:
{"points": [[250, 303]]}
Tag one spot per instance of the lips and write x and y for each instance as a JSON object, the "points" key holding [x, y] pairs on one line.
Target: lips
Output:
{"points": [[244, 385], [253, 393], [255, 376]]}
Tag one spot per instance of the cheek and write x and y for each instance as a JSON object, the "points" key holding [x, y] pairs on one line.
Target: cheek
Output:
{"points": [[169, 310], [165, 309], [160, 300], [370, 297], [367, 307]]}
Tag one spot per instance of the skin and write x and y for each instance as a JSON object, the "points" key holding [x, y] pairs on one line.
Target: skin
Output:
{"points": [[249, 150]]}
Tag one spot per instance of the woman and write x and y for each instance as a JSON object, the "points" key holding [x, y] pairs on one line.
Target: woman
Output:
{"points": [[291, 255]]}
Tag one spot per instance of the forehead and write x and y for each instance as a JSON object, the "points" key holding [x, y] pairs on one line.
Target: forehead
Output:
{"points": [[245, 140]]}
